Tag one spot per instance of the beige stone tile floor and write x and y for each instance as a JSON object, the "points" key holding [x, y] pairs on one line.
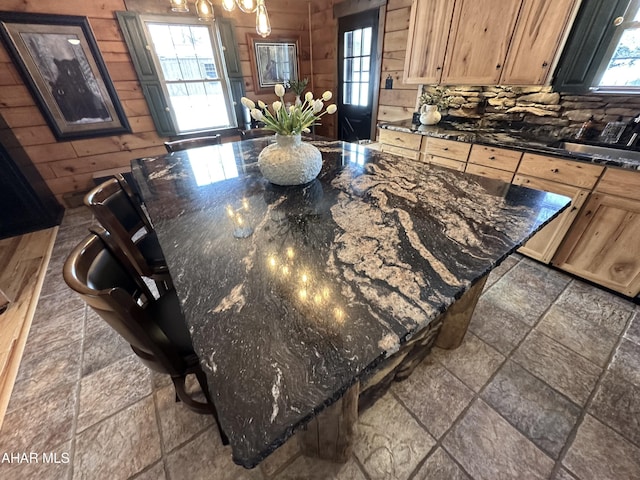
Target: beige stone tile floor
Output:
{"points": [[545, 386]]}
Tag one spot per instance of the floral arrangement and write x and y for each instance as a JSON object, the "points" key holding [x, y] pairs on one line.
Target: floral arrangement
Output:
{"points": [[439, 96], [293, 120], [297, 86]]}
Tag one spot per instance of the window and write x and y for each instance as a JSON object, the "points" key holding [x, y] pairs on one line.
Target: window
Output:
{"points": [[191, 73], [357, 63], [620, 68]]}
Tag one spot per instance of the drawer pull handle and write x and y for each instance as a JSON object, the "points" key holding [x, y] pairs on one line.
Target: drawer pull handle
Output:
{"points": [[446, 148], [555, 170], [492, 157]]}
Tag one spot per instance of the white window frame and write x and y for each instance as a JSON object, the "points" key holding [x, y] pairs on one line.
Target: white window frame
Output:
{"points": [[218, 58], [631, 12]]}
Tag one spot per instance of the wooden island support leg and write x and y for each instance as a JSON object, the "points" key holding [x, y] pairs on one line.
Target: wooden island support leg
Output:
{"points": [[457, 317], [331, 434]]}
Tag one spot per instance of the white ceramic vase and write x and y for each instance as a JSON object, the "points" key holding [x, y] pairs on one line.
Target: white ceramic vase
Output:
{"points": [[429, 115], [290, 161]]}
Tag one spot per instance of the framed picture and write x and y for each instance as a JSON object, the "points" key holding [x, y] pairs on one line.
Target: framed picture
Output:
{"points": [[273, 60], [59, 61]]}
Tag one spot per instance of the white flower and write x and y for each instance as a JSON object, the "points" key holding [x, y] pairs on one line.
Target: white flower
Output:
{"points": [[317, 106], [332, 109], [279, 89], [276, 106], [326, 96], [247, 103], [308, 97], [257, 114], [292, 108], [261, 104], [306, 130]]}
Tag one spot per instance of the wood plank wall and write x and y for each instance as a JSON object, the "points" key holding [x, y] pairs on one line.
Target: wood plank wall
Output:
{"points": [[395, 104], [68, 166]]}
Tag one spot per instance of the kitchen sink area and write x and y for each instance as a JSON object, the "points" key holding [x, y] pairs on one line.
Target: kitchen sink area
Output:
{"points": [[598, 150]]}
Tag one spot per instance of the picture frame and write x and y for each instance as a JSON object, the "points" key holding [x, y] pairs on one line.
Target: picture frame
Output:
{"points": [[273, 60], [59, 61]]}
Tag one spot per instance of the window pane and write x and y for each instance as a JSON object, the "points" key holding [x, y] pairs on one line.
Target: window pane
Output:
{"points": [[365, 64], [198, 105], [355, 93], [357, 42], [364, 94], [346, 93], [366, 41], [348, 69], [348, 44], [624, 67]]}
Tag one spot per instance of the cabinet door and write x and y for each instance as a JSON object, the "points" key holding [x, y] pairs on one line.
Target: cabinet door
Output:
{"points": [[543, 245], [427, 41], [536, 41], [479, 40], [603, 245]]}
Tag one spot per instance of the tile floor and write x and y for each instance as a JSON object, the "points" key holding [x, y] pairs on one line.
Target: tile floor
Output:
{"points": [[546, 385]]}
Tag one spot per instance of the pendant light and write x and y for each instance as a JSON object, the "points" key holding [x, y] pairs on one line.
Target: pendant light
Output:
{"points": [[229, 5], [263, 26], [204, 9], [247, 6], [179, 6]]}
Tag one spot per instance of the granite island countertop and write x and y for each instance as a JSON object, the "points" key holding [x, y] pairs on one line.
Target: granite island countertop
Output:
{"points": [[319, 283], [527, 138]]}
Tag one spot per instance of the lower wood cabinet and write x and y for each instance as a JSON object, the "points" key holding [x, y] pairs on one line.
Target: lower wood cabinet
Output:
{"points": [[604, 244], [544, 244]]}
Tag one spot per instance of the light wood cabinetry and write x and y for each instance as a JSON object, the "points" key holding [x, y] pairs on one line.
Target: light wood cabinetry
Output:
{"points": [[430, 21], [603, 244], [400, 143], [485, 42], [446, 153], [538, 36], [493, 162], [570, 172], [479, 41], [544, 244]]}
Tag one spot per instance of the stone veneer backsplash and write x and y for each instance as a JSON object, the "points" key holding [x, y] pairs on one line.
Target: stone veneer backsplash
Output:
{"points": [[563, 112]]}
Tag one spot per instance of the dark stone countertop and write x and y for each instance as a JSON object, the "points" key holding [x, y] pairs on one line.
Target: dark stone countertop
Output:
{"points": [[531, 138], [331, 278]]}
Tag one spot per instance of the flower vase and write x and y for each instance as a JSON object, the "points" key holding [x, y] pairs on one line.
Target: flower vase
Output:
{"points": [[429, 115], [298, 101], [290, 161]]}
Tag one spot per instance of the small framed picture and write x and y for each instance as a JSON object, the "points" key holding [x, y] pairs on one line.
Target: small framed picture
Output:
{"points": [[273, 60], [59, 61]]}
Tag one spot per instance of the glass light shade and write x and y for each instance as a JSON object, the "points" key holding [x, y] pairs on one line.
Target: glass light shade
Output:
{"points": [[229, 5], [263, 26], [179, 6], [247, 6], [204, 9]]}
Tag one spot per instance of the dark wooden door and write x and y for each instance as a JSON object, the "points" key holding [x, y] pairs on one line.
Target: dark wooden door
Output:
{"points": [[357, 41]]}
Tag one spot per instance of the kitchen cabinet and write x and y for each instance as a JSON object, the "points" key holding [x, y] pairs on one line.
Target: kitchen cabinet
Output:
{"points": [[486, 42], [429, 26], [569, 172], [446, 153], [479, 41], [493, 162], [539, 35], [603, 245], [400, 143], [544, 244]]}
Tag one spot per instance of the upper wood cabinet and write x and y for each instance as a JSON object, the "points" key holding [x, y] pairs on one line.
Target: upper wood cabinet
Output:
{"points": [[430, 21], [537, 39], [479, 40], [485, 42]]}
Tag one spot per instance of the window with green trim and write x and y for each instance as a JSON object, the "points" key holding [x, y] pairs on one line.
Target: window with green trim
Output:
{"points": [[620, 68], [190, 69]]}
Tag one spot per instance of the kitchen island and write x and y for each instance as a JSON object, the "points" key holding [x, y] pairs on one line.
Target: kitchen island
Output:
{"points": [[299, 299]]}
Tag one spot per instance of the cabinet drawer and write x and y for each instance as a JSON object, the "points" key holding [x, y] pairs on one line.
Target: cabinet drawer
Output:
{"points": [[446, 148], [403, 152], [493, 157], [443, 162], [571, 172], [400, 139], [620, 182], [489, 172]]}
